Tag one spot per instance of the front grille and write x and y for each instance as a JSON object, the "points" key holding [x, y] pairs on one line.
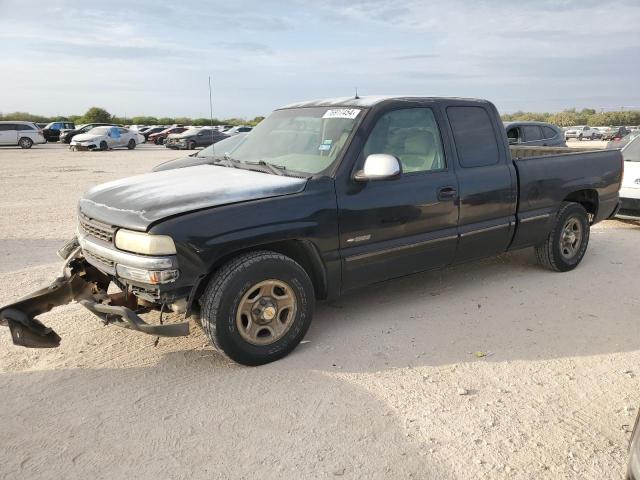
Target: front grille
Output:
{"points": [[96, 229], [99, 259]]}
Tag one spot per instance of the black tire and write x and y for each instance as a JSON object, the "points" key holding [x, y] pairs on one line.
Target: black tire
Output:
{"points": [[227, 288], [25, 142], [103, 145], [552, 254], [191, 145], [580, 137], [132, 144]]}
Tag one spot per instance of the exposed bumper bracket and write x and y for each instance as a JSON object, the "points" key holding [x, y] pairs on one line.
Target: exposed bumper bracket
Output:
{"points": [[87, 286]]}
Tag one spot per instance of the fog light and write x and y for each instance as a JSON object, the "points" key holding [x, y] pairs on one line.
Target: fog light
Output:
{"points": [[152, 277]]}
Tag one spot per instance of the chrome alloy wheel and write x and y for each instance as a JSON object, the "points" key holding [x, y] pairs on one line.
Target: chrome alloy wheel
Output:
{"points": [[571, 238]]}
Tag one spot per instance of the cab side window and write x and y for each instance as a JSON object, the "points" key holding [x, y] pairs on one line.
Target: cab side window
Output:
{"points": [[412, 136], [474, 136]]}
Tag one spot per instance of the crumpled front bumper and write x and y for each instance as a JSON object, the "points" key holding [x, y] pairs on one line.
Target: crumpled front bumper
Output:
{"points": [[82, 282]]}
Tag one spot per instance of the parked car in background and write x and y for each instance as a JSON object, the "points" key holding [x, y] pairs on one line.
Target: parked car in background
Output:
{"points": [[151, 130], [193, 138], [539, 134], [616, 133], [159, 137], [67, 136], [20, 133], [207, 155], [239, 129], [52, 131], [105, 138], [580, 132], [630, 189], [621, 142]]}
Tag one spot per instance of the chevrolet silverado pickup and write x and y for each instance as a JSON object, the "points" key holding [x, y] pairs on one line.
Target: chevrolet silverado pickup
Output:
{"points": [[323, 197]]}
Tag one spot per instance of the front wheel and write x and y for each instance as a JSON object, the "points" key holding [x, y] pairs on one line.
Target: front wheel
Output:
{"points": [[132, 144], [567, 242], [103, 145], [191, 145], [257, 307], [25, 142]]}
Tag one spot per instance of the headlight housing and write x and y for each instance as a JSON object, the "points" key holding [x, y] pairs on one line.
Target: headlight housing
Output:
{"points": [[144, 243]]}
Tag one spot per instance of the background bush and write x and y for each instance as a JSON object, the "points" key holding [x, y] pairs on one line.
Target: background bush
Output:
{"points": [[566, 118], [100, 115]]}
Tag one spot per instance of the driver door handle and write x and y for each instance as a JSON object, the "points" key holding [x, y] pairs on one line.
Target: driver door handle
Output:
{"points": [[447, 193]]}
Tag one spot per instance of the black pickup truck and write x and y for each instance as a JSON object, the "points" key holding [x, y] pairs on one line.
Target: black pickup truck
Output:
{"points": [[321, 198]]}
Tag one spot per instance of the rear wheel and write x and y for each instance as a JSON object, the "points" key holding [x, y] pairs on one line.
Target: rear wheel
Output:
{"points": [[257, 307], [191, 145], [25, 142], [580, 137], [567, 242], [132, 144], [103, 145]]}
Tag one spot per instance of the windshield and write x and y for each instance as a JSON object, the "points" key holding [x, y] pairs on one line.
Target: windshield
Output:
{"points": [[304, 140], [631, 152], [222, 147]]}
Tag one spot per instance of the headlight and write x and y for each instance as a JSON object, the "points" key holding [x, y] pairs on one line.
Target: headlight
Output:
{"points": [[144, 243], [153, 277]]}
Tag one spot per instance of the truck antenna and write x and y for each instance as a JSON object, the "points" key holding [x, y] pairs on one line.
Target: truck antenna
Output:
{"points": [[356, 97]]}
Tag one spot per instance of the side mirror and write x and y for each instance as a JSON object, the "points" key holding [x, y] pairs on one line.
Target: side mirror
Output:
{"points": [[379, 166]]}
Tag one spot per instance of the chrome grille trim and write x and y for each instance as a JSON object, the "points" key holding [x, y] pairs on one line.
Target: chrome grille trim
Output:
{"points": [[96, 229]]}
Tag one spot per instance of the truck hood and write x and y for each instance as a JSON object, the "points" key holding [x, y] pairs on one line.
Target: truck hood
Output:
{"points": [[87, 137], [137, 202]]}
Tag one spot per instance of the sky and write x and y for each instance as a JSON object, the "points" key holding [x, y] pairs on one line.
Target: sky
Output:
{"points": [[155, 57]]}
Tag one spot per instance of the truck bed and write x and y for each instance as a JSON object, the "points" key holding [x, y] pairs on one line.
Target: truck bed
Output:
{"points": [[547, 176]]}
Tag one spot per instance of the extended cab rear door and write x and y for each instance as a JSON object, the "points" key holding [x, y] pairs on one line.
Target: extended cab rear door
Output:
{"points": [[408, 224], [487, 180]]}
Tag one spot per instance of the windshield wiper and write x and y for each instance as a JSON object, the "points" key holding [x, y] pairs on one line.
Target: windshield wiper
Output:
{"points": [[275, 169], [226, 162]]}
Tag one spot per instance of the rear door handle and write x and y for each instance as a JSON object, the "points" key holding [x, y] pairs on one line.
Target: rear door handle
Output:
{"points": [[447, 193]]}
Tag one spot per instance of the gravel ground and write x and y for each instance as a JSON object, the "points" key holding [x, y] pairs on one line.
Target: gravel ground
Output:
{"points": [[495, 369]]}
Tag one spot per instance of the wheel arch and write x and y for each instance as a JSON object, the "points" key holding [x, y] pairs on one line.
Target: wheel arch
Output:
{"points": [[303, 252], [588, 198]]}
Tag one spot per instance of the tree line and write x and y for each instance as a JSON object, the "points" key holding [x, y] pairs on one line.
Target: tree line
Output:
{"points": [[100, 115], [586, 116], [566, 118]]}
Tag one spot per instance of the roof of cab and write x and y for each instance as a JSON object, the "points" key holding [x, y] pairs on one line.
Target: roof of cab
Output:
{"points": [[366, 101]]}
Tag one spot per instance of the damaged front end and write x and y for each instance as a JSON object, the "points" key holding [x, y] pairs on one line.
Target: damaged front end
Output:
{"points": [[82, 282]]}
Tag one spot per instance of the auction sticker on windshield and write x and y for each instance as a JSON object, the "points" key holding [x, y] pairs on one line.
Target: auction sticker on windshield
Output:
{"points": [[341, 113]]}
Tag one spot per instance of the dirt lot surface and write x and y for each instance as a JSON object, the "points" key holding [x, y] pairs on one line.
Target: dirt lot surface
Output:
{"points": [[496, 369]]}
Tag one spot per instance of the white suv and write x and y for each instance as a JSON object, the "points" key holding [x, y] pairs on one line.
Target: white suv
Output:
{"points": [[24, 134], [580, 132]]}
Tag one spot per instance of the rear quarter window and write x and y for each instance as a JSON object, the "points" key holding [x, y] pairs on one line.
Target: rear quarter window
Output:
{"points": [[26, 127], [474, 136], [532, 133], [548, 132]]}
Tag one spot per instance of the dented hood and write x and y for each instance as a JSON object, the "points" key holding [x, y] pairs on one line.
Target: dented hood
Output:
{"points": [[137, 202]]}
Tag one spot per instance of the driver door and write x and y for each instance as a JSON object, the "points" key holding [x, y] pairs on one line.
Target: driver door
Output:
{"points": [[408, 224]]}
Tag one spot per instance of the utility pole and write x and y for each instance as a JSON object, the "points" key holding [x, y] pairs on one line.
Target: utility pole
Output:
{"points": [[211, 110]]}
